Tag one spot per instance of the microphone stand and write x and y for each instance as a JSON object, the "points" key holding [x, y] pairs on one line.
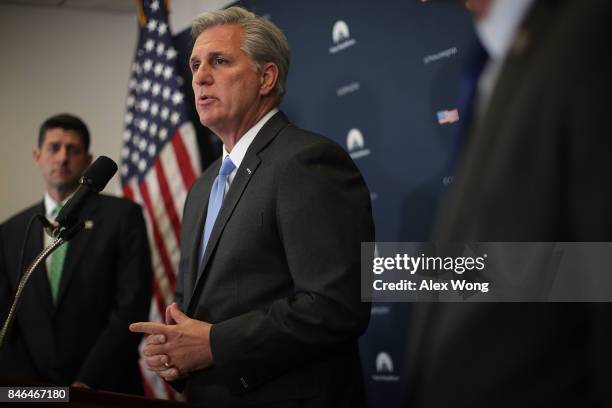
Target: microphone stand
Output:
{"points": [[64, 236]]}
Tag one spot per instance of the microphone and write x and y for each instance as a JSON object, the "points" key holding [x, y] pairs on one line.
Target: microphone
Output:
{"points": [[94, 179]]}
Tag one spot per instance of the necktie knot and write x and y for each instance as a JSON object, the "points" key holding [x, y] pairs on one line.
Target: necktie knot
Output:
{"points": [[56, 210], [227, 166]]}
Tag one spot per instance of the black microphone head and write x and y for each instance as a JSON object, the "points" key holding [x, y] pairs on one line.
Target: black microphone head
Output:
{"points": [[99, 173]]}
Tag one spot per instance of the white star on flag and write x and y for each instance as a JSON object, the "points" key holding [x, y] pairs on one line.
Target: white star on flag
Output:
{"points": [[177, 97], [152, 25], [168, 72], [170, 54], [146, 85], [149, 45], [144, 105]]}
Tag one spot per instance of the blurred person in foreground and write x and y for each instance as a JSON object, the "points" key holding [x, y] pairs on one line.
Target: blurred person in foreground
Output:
{"points": [[534, 168]]}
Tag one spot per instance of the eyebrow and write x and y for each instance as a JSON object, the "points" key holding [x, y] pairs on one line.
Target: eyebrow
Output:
{"points": [[59, 142]]}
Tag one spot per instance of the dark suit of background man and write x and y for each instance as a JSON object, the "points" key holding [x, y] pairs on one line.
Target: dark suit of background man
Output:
{"points": [[536, 167], [72, 321], [271, 311]]}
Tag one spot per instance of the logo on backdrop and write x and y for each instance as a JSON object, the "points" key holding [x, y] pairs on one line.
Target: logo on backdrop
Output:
{"points": [[447, 116], [341, 37], [347, 89], [384, 368], [449, 52], [448, 180], [355, 144], [380, 310], [384, 364]]}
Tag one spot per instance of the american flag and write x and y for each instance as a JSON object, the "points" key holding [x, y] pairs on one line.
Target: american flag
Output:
{"points": [[447, 116], [159, 159]]}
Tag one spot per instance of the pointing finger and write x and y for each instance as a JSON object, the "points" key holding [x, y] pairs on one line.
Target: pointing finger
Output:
{"points": [[148, 327]]}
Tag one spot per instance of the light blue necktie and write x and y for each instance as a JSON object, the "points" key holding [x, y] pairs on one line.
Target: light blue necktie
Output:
{"points": [[214, 202]]}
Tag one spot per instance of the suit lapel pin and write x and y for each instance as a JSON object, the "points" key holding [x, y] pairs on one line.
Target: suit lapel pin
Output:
{"points": [[249, 170], [89, 224]]}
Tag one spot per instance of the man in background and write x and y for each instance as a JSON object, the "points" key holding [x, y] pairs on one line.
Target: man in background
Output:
{"points": [[268, 305], [71, 323]]}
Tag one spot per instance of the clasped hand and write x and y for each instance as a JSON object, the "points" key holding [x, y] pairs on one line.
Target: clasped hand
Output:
{"points": [[175, 349]]}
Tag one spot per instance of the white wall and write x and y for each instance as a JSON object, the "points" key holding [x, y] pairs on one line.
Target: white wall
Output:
{"points": [[56, 60], [182, 12]]}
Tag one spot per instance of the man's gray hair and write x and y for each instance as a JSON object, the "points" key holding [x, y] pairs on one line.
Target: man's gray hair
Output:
{"points": [[263, 41]]}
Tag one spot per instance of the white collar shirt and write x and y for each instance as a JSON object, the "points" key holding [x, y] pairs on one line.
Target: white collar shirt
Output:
{"points": [[496, 32], [51, 204], [239, 151]]}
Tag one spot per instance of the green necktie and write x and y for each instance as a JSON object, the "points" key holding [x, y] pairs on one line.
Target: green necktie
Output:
{"points": [[56, 265]]}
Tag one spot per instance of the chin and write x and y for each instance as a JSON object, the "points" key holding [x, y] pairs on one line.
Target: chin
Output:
{"points": [[68, 185], [207, 121]]}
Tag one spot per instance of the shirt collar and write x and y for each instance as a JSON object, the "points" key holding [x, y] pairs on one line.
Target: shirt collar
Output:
{"points": [[497, 29], [240, 148]]}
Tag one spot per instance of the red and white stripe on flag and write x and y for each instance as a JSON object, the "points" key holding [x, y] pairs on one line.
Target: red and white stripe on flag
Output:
{"points": [[159, 160]]}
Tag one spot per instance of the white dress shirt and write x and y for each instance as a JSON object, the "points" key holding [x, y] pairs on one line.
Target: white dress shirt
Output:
{"points": [[240, 149], [496, 32]]}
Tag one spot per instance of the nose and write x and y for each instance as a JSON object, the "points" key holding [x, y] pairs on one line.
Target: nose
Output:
{"points": [[203, 76], [62, 154]]}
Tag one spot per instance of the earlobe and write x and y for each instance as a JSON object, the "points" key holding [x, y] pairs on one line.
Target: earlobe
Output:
{"points": [[35, 154]]}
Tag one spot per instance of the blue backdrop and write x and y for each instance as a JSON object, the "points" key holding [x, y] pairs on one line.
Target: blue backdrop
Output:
{"points": [[380, 78]]}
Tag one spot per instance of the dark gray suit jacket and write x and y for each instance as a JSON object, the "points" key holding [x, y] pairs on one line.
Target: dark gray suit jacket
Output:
{"points": [[281, 280], [105, 286], [536, 168]]}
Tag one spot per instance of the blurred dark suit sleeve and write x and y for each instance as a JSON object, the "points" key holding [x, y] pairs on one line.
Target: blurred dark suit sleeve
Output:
{"points": [[535, 169]]}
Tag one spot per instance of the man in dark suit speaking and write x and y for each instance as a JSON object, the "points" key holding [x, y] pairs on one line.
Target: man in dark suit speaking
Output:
{"points": [[71, 323], [268, 306]]}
